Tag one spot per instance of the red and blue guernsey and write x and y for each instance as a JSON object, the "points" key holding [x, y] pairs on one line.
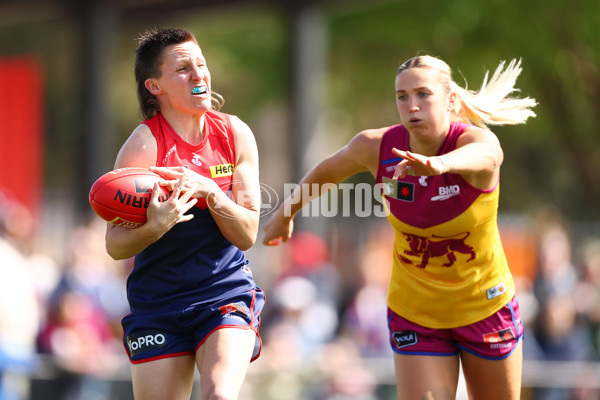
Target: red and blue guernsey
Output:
{"points": [[192, 263], [449, 268]]}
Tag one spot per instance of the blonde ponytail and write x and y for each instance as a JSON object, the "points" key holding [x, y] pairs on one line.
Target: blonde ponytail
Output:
{"points": [[491, 105]]}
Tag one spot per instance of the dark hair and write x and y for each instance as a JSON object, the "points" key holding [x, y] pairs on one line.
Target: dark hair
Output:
{"points": [[148, 60]]}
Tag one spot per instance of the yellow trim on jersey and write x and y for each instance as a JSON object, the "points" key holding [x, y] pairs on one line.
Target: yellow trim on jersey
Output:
{"points": [[452, 274]]}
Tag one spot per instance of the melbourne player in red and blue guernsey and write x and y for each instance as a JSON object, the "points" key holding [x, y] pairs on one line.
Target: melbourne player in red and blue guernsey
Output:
{"points": [[192, 295]]}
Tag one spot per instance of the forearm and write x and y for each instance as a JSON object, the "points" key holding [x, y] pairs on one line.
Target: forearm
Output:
{"points": [[123, 243], [318, 181], [471, 159], [238, 224]]}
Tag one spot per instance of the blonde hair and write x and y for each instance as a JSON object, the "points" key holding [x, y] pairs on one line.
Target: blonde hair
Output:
{"points": [[491, 105]]}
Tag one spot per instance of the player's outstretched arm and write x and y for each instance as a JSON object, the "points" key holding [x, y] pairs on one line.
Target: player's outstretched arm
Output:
{"points": [[359, 155]]}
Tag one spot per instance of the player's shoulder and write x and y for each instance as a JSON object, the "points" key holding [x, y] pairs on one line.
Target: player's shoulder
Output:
{"points": [[363, 148], [241, 131], [140, 149], [368, 137], [472, 133], [141, 138], [142, 130]]}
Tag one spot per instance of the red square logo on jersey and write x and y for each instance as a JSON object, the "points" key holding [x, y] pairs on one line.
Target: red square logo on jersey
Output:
{"points": [[398, 189], [405, 191]]}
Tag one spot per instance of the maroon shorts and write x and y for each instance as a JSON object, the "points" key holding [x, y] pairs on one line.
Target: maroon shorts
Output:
{"points": [[493, 338]]}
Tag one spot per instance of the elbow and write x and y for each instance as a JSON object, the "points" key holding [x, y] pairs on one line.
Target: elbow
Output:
{"points": [[246, 243], [247, 239], [114, 254], [495, 163], [491, 164]]}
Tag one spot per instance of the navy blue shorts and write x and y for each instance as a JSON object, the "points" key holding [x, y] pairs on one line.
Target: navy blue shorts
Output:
{"points": [[151, 337]]}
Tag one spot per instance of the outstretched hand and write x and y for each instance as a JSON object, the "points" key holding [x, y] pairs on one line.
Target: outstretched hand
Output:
{"points": [[278, 229], [417, 165]]}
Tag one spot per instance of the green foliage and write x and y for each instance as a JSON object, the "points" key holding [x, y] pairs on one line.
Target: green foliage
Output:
{"points": [[553, 159]]}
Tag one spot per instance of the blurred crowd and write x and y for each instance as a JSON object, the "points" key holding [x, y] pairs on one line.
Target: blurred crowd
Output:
{"points": [[324, 327]]}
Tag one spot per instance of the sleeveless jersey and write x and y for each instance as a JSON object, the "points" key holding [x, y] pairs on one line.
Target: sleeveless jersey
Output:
{"points": [[449, 268], [192, 263]]}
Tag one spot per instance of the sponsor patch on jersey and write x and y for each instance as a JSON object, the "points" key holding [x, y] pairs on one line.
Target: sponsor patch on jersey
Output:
{"points": [[391, 163], [146, 340], [445, 192], [404, 338], [235, 308], [496, 291], [499, 336], [398, 190], [218, 171]]}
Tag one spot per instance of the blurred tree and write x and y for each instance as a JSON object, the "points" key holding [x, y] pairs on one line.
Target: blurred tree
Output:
{"points": [[553, 159]]}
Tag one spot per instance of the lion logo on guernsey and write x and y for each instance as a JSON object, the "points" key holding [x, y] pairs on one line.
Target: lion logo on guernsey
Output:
{"points": [[437, 246]]}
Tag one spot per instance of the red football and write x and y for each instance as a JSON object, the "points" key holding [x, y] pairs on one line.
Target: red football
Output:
{"points": [[121, 197]]}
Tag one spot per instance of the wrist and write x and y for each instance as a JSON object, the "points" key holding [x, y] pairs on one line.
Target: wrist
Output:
{"points": [[212, 199], [287, 210], [445, 165]]}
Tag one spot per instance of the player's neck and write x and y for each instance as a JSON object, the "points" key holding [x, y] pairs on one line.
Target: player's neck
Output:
{"points": [[189, 128]]}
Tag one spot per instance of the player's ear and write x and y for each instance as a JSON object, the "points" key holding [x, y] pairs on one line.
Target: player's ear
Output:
{"points": [[152, 86], [453, 103]]}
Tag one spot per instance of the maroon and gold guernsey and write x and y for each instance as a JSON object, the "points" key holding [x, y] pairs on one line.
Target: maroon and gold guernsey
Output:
{"points": [[449, 266]]}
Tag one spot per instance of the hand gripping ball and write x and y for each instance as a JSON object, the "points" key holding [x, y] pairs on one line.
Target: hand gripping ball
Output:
{"points": [[121, 197]]}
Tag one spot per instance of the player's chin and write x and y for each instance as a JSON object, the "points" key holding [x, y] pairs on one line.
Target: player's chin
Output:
{"points": [[202, 104]]}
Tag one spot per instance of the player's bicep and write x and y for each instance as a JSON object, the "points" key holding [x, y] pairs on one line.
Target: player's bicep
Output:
{"points": [[483, 138], [359, 155], [245, 185]]}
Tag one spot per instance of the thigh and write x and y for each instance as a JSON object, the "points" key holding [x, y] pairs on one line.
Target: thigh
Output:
{"points": [[426, 377], [167, 378], [493, 379], [223, 361]]}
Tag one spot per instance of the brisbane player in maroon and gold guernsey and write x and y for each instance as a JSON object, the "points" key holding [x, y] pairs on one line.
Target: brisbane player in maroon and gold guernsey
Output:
{"points": [[451, 296]]}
